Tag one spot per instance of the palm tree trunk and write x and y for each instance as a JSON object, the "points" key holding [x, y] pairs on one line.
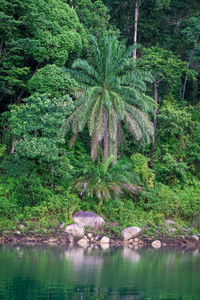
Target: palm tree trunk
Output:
{"points": [[94, 144], [155, 110], [106, 135]]}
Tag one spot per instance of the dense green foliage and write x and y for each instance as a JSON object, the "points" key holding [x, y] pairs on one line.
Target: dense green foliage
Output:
{"points": [[71, 91]]}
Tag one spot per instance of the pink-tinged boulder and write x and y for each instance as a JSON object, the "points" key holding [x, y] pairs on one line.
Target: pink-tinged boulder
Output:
{"points": [[74, 229], [88, 218], [130, 232]]}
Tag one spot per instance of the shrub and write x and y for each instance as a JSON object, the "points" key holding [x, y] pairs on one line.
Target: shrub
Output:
{"points": [[140, 167], [172, 202]]}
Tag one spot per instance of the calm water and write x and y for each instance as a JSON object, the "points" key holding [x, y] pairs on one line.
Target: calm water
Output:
{"points": [[33, 273]]}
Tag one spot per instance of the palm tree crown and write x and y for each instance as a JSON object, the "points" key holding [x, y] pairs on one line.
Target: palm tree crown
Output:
{"points": [[110, 93]]}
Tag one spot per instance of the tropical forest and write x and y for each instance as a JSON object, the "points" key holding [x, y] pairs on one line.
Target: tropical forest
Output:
{"points": [[100, 112]]}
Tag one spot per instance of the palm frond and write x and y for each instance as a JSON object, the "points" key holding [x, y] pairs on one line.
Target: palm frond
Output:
{"points": [[87, 69], [130, 187], [81, 77], [143, 121], [93, 116], [118, 104], [132, 126]]}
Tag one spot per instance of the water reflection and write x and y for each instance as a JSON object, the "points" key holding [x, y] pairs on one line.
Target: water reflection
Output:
{"points": [[31, 273], [131, 254], [83, 257]]}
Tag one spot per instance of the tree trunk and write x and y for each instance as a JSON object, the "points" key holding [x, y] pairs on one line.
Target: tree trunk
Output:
{"points": [[13, 145], [135, 28], [189, 64], [185, 81], [184, 87], [156, 100], [156, 83], [106, 136], [52, 177]]}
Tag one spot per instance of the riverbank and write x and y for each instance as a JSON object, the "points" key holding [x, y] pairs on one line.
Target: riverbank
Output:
{"points": [[88, 229], [90, 239]]}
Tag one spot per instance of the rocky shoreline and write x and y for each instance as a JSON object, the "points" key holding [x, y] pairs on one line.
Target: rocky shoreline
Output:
{"points": [[59, 238], [89, 230]]}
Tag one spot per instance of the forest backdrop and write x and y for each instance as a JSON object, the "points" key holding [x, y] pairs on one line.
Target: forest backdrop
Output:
{"points": [[89, 122]]}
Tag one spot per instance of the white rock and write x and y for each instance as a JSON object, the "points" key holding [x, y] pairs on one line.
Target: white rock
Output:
{"points": [[85, 237], [130, 232], [90, 235], [172, 230], [74, 229], [195, 237], [170, 222], [105, 240], [21, 226], [83, 242], [88, 218], [156, 244]]}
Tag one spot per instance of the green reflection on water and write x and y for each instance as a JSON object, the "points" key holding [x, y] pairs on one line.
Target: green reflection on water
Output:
{"points": [[30, 273]]}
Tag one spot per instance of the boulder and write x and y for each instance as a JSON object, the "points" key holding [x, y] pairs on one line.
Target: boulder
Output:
{"points": [[88, 218], [83, 243], [74, 229], [105, 240], [130, 232], [156, 244]]}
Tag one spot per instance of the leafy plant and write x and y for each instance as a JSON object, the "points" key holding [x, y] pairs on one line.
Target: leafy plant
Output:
{"points": [[140, 167], [102, 180]]}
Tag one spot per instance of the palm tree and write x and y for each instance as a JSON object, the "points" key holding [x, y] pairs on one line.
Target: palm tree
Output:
{"points": [[111, 92], [103, 181]]}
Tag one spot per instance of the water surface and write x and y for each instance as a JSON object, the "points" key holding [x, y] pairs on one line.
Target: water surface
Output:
{"points": [[59, 273]]}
